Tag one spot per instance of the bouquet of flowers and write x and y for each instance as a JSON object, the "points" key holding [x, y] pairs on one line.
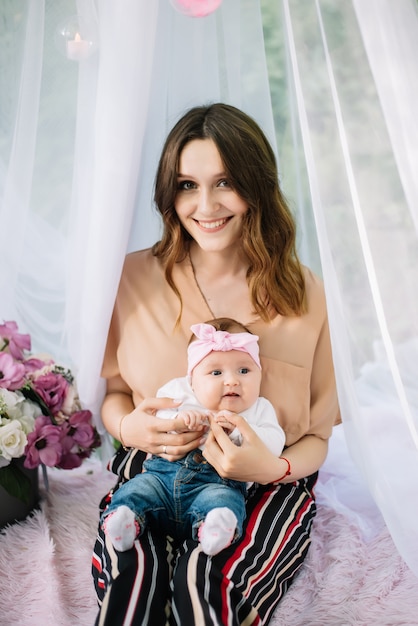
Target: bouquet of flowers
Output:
{"points": [[41, 418]]}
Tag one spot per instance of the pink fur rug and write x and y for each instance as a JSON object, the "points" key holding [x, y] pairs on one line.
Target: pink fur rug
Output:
{"points": [[346, 580]]}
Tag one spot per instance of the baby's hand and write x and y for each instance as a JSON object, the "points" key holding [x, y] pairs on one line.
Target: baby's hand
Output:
{"points": [[194, 420], [221, 418]]}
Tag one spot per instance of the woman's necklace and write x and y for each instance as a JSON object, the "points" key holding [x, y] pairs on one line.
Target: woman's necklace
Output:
{"points": [[199, 288]]}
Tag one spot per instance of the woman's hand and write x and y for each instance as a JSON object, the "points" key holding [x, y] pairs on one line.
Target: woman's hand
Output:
{"points": [[251, 461], [168, 438]]}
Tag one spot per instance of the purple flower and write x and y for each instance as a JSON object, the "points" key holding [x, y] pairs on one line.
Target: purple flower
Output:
{"points": [[78, 440], [16, 342], [52, 388], [44, 444], [12, 373], [34, 365], [81, 429], [70, 460]]}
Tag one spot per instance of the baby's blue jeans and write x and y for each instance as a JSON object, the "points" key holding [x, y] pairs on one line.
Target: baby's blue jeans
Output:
{"points": [[176, 496]]}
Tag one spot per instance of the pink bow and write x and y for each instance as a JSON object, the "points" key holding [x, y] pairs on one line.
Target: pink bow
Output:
{"points": [[211, 340]]}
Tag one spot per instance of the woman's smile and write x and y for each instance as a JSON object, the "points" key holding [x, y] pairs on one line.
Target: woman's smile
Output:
{"points": [[213, 226]]}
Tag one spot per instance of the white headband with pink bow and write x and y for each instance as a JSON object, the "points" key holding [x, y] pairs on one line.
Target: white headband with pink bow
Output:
{"points": [[211, 340]]}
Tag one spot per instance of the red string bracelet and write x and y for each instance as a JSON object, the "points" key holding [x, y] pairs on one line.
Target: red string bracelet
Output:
{"points": [[288, 471]]}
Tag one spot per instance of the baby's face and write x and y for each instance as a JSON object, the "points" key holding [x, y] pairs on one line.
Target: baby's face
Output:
{"points": [[227, 380]]}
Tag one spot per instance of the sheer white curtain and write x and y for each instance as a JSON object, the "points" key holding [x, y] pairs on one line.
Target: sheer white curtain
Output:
{"points": [[21, 44], [112, 108], [128, 99], [97, 146], [79, 148], [356, 91]]}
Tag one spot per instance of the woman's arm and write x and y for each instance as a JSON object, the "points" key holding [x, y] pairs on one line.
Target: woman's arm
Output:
{"points": [[253, 461]]}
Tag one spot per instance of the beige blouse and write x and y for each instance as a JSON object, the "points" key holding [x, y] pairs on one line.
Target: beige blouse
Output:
{"points": [[146, 350]]}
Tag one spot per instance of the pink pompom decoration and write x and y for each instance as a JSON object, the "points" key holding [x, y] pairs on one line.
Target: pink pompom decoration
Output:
{"points": [[196, 8]]}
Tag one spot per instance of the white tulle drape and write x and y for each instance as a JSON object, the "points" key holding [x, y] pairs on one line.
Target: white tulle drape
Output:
{"points": [[154, 63], [365, 204], [23, 53], [79, 146], [112, 108]]}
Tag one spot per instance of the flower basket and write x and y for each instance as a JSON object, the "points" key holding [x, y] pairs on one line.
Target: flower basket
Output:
{"points": [[13, 509], [42, 422]]}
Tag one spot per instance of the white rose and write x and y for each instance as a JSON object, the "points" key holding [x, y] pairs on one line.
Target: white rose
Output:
{"points": [[29, 408], [27, 419], [10, 398], [19, 408], [12, 440]]}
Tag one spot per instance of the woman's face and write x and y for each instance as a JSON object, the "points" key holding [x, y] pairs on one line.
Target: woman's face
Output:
{"points": [[207, 206]]}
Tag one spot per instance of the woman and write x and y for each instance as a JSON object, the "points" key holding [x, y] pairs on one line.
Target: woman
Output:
{"points": [[227, 250]]}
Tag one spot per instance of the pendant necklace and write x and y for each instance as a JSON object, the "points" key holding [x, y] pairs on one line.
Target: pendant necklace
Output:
{"points": [[200, 290]]}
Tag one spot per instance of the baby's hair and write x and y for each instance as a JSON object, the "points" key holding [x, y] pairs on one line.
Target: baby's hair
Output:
{"points": [[227, 324]]}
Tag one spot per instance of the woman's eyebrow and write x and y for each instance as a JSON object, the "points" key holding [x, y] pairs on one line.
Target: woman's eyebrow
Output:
{"points": [[219, 175]]}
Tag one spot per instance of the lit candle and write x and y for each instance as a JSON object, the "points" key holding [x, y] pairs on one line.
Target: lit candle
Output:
{"points": [[77, 48]]}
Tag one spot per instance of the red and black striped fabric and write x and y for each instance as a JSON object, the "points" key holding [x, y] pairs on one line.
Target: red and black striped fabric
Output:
{"points": [[160, 583]]}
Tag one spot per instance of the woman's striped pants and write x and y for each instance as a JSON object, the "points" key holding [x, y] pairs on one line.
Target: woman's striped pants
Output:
{"points": [[157, 583]]}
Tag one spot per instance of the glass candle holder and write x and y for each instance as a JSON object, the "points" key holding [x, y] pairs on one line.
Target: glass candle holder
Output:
{"points": [[77, 38]]}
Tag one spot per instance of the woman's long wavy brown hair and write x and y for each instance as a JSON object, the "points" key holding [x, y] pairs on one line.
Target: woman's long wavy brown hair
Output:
{"points": [[275, 277]]}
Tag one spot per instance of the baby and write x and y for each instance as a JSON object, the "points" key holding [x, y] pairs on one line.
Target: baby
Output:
{"points": [[188, 496]]}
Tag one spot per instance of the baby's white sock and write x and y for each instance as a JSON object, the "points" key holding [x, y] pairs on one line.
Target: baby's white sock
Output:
{"points": [[217, 531], [122, 528]]}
